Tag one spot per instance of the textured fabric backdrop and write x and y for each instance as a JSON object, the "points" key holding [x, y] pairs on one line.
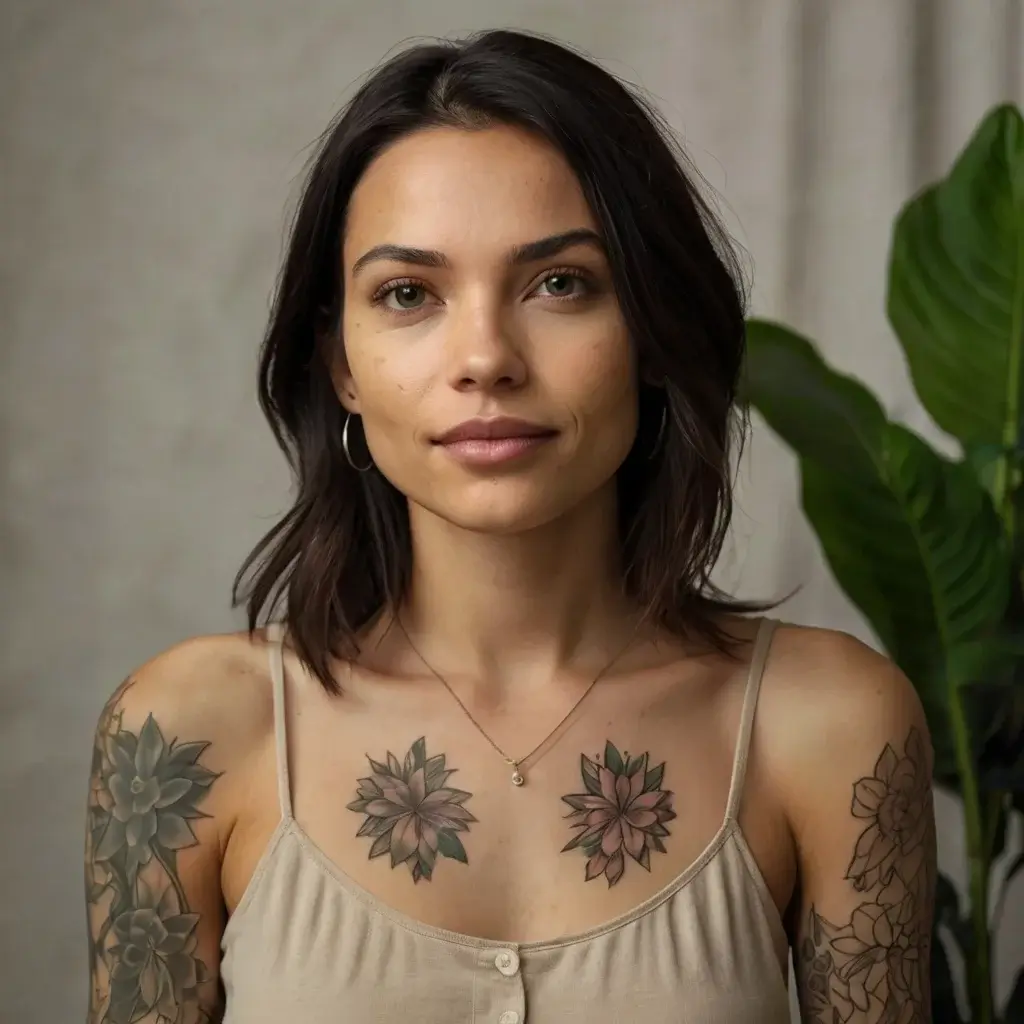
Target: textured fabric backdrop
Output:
{"points": [[146, 156]]}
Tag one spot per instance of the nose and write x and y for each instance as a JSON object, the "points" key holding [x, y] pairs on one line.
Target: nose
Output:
{"points": [[483, 351]]}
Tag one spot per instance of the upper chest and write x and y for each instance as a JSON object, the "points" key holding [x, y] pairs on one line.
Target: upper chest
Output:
{"points": [[412, 804]]}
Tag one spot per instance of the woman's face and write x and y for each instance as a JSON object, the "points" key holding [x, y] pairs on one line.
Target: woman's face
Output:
{"points": [[476, 288]]}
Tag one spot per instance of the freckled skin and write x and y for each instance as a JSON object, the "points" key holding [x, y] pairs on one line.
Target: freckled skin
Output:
{"points": [[486, 339]]}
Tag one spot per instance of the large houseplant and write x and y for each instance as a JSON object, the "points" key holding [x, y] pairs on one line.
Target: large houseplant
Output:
{"points": [[930, 548]]}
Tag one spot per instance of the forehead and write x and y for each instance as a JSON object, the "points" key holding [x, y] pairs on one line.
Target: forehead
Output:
{"points": [[462, 191]]}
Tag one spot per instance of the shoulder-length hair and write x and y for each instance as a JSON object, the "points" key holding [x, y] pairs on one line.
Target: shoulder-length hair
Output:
{"points": [[342, 553]]}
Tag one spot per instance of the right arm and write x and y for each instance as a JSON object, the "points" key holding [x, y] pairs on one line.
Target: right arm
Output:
{"points": [[155, 831]]}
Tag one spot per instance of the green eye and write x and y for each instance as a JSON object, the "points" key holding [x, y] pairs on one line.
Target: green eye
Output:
{"points": [[407, 296], [564, 284], [561, 284]]}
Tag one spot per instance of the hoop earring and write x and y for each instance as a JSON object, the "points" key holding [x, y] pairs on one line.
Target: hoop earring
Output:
{"points": [[656, 450], [348, 454]]}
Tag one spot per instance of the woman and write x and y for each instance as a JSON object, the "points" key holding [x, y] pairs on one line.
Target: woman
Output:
{"points": [[509, 756]]}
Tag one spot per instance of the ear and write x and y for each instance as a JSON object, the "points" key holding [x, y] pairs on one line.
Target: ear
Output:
{"points": [[331, 349]]}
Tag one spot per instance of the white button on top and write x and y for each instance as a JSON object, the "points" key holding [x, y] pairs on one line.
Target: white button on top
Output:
{"points": [[507, 961], [509, 1017]]}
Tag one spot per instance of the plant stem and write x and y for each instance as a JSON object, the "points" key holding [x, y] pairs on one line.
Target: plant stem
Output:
{"points": [[172, 876], [979, 979]]}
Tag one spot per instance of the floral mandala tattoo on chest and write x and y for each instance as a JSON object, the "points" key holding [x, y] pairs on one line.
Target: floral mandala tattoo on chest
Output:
{"points": [[623, 811], [411, 812]]}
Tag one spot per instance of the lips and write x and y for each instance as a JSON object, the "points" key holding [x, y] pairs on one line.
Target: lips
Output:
{"points": [[501, 428]]}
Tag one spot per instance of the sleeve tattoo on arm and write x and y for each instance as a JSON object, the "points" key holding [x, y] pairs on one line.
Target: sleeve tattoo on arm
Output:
{"points": [[144, 791], [875, 967]]}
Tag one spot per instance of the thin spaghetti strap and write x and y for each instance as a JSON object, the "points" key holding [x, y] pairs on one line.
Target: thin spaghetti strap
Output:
{"points": [[759, 657], [275, 636]]}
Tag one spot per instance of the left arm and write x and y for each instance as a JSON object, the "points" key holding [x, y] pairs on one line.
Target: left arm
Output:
{"points": [[864, 827]]}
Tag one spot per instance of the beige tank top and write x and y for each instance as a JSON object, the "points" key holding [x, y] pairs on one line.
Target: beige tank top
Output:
{"points": [[308, 945]]}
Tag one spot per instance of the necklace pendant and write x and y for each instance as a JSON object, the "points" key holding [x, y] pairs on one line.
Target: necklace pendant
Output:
{"points": [[517, 778]]}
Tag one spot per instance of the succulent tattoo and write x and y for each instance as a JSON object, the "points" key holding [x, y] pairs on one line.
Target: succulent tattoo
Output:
{"points": [[143, 794], [875, 967], [411, 813], [623, 811]]}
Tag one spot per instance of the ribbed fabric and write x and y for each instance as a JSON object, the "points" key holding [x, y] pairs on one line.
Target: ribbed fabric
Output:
{"points": [[307, 945]]}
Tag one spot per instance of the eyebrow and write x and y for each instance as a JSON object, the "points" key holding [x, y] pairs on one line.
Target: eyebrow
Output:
{"points": [[528, 252]]}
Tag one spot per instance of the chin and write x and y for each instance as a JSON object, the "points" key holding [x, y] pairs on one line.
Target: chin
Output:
{"points": [[501, 508]]}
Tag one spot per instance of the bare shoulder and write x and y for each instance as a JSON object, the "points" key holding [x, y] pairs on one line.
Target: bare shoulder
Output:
{"points": [[835, 690], [208, 698], [218, 683], [842, 730], [831, 708]]}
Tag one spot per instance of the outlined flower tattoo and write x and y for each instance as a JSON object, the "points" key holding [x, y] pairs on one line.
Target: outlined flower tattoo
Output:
{"points": [[873, 968]]}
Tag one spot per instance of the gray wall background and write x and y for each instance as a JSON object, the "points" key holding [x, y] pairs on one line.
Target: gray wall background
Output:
{"points": [[147, 154]]}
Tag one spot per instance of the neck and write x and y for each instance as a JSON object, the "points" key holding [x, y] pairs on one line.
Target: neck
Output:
{"points": [[513, 609]]}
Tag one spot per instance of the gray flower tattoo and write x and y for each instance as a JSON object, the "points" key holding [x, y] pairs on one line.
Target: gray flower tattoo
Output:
{"points": [[150, 792], [144, 792], [411, 813]]}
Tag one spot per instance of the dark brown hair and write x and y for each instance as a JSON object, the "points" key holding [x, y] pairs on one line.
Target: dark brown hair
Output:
{"points": [[343, 552]]}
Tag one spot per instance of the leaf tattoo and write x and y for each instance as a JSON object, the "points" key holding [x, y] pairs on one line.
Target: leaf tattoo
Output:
{"points": [[143, 794], [411, 813], [623, 811]]}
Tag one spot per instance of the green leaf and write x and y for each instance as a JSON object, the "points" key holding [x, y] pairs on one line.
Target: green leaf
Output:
{"points": [[434, 769], [174, 832], [185, 754], [985, 460], [382, 844], [652, 780], [450, 845], [576, 840], [911, 537], [590, 777], [612, 758], [150, 748], [427, 859], [995, 709], [956, 286], [419, 753]]}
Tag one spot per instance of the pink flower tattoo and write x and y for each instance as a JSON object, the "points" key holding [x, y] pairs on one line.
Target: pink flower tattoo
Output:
{"points": [[623, 811]]}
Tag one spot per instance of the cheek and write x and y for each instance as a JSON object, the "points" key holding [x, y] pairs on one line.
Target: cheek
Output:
{"points": [[603, 390], [384, 376], [393, 392]]}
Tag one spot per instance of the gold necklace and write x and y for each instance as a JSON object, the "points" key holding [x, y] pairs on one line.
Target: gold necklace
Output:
{"points": [[516, 763]]}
